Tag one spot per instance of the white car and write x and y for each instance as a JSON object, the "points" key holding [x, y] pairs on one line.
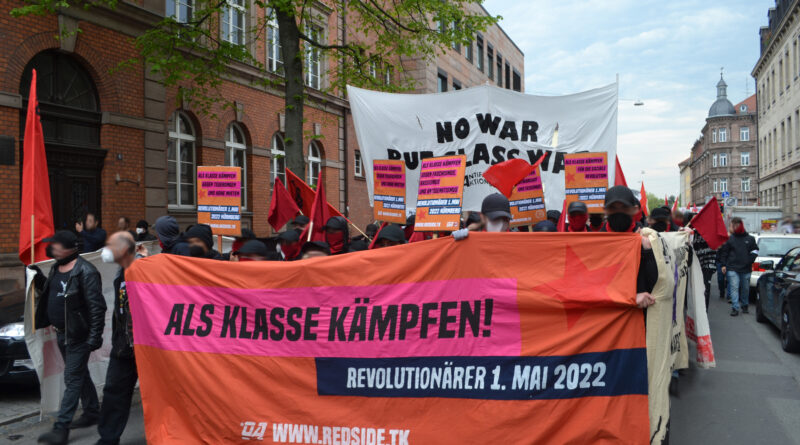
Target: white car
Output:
{"points": [[772, 247]]}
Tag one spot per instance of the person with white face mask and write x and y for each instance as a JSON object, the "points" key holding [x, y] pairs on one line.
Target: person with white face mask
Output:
{"points": [[496, 213], [142, 233]]}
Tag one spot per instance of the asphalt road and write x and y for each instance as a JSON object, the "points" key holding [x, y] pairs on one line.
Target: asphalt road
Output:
{"points": [[751, 397]]}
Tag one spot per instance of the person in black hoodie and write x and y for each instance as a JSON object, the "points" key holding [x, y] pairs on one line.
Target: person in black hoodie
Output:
{"points": [[737, 256], [201, 242], [169, 236], [142, 232], [72, 302], [337, 235]]}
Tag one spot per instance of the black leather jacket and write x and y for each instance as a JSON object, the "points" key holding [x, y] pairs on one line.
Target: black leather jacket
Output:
{"points": [[85, 312]]}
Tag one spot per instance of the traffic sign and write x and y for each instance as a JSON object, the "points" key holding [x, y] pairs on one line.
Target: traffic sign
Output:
{"points": [[725, 194]]}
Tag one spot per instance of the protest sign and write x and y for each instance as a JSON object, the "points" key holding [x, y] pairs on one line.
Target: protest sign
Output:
{"points": [[487, 124], [441, 188], [527, 201], [422, 345], [697, 327], [586, 179], [219, 199], [390, 191]]}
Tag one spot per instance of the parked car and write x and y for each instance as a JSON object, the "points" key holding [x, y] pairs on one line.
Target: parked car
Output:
{"points": [[15, 363], [778, 298], [771, 247]]}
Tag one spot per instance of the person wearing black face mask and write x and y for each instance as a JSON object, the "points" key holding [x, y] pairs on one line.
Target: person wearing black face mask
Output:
{"points": [[337, 235], [201, 242], [596, 222], [72, 302], [620, 208], [661, 222]]}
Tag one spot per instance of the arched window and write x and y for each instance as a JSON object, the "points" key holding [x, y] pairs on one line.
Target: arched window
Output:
{"points": [[278, 158], [235, 155], [181, 161], [314, 163]]}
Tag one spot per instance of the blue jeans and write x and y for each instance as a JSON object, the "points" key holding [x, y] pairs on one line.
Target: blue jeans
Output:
{"points": [[738, 288]]}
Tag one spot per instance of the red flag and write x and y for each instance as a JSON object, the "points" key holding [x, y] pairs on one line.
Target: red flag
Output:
{"points": [[562, 221], [710, 225], [619, 177], [666, 201], [282, 207], [505, 175], [694, 208], [643, 200], [319, 216], [675, 205], [375, 238], [304, 195], [36, 210]]}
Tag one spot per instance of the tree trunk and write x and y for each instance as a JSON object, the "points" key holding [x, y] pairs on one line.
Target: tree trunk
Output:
{"points": [[294, 89]]}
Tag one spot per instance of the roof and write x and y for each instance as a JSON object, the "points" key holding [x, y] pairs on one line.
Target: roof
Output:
{"points": [[751, 104], [722, 106], [685, 161]]}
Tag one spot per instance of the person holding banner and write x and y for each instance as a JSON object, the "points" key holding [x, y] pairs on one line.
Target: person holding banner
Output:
{"points": [[201, 242], [495, 213], [289, 245], [337, 235], [169, 236], [391, 235], [314, 249], [578, 216], [72, 302]]}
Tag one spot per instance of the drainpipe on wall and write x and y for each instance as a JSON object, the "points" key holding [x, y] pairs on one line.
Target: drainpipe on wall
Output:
{"points": [[344, 127]]}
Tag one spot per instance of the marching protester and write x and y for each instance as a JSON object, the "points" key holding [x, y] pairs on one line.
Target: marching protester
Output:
{"points": [[314, 249], [495, 213], [578, 216], [553, 216], [72, 302], [391, 235], [679, 219], [201, 242], [143, 233], [545, 226], [705, 255], [254, 250], [368, 235], [121, 376], [596, 222], [169, 236], [737, 256], [299, 223], [660, 217], [93, 237], [337, 235], [289, 245], [124, 224], [473, 222]]}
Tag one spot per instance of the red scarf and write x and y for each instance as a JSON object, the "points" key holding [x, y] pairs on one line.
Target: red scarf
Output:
{"points": [[336, 241], [577, 223]]}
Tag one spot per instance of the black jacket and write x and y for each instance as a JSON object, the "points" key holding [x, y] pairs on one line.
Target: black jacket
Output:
{"points": [[121, 324], [739, 252], [85, 306]]}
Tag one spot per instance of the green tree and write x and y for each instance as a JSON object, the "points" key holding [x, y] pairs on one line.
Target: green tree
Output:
{"points": [[191, 54], [654, 201]]}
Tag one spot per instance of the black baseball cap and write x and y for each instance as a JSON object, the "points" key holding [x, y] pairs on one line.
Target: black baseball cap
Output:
{"points": [[392, 233], [320, 246], [553, 214], [496, 206], [660, 214], [289, 236], [577, 207], [67, 239], [301, 220], [254, 247], [545, 226], [621, 194]]}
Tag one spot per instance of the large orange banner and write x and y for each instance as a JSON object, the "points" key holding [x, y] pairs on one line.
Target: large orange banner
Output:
{"points": [[441, 342]]}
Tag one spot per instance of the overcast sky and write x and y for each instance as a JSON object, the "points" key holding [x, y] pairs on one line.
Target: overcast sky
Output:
{"points": [[667, 53]]}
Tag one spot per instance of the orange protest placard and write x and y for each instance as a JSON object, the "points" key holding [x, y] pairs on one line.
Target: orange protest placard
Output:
{"points": [[441, 187], [527, 201], [586, 179], [389, 197], [219, 199]]}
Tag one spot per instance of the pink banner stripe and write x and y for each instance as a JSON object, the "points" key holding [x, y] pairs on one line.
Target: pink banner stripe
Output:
{"points": [[153, 304]]}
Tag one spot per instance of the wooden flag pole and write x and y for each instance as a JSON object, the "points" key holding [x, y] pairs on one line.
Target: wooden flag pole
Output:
{"points": [[310, 230], [219, 243], [359, 230], [33, 297]]}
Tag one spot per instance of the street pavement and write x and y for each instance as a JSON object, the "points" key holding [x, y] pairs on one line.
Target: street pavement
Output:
{"points": [[751, 397]]}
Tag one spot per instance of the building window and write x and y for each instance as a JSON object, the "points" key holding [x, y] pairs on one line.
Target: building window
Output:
{"points": [[499, 70], [468, 51], [490, 62], [387, 74], [716, 186], [233, 16], [358, 165], [274, 52], [442, 83], [456, 45], [456, 85], [745, 184], [373, 69], [745, 158], [313, 62], [278, 158], [180, 10], [714, 161], [714, 136], [236, 155], [180, 161], [743, 108], [517, 82], [314, 163], [744, 134], [508, 76], [723, 185], [479, 53], [723, 135], [723, 159]]}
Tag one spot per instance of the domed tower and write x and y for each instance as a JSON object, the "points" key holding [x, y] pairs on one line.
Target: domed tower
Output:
{"points": [[722, 106]]}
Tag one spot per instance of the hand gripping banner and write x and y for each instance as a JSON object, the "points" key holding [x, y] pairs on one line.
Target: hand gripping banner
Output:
{"points": [[511, 338]]}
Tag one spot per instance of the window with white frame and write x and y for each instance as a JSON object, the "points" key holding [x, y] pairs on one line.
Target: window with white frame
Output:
{"points": [[274, 51], [387, 74], [358, 165], [723, 159], [745, 158], [180, 10], [232, 23], [745, 184], [744, 134], [714, 135], [468, 51], [714, 161], [314, 163], [180, 162], [236, 155], [373, 69], [723, 184], [723, 135], [716, 186], [313, 58], [278, 153], [479, 53]]}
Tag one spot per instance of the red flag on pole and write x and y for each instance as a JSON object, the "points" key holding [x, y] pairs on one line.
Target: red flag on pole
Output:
{"points": [[282, 207], [505, 175], [666, 201], [710, 225], [643, 201], [619, 177], [675, 205], [375, 238], [36, 210], [319, 216], [304, 195], [562, 220]]}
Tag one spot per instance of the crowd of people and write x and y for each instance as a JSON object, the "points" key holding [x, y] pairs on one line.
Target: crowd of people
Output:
{"points": [[72, 302]]}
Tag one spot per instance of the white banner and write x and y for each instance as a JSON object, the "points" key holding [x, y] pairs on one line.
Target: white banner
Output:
{"points": [[488, 125]]}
